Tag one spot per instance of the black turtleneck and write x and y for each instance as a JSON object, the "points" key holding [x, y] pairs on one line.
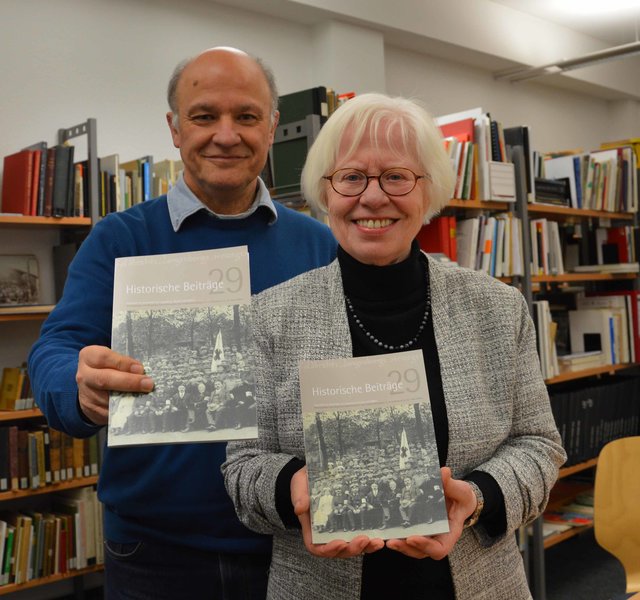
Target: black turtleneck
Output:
{"points": [[390, 303]]}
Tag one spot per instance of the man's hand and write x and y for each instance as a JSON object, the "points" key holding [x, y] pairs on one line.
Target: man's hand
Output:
{"points": [[461, 502], [336, 548], [101, 370]]}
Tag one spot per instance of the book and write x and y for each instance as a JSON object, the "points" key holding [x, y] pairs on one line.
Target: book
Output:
{"points": [[593, 330], [199, 359], [386, 484], [438, 236], [17, 182], [62, 191], [608, 268]]}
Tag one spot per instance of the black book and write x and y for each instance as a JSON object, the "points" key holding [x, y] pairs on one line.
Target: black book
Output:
{"points": [[61, 182]]}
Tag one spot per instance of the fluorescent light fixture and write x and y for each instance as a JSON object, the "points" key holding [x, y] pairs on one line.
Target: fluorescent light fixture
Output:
{"points": [[598, 57]]}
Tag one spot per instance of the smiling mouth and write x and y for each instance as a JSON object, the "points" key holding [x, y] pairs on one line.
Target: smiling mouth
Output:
{"points": [[374, 223]]}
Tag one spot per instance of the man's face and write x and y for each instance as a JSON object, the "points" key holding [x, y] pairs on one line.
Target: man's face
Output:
{"points": [[224, 128]]}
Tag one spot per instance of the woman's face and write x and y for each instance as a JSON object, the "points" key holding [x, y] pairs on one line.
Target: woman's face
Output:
{"points": [[376, 228]]}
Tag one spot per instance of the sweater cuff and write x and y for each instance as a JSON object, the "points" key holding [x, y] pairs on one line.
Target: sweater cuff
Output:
{"points": [[494, 514], [283, 493]]}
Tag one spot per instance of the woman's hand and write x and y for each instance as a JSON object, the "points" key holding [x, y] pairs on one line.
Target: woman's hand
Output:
{"points": [[336, 548], [461, 502]]}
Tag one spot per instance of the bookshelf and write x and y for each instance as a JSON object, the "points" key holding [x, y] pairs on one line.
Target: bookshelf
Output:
{"points": [[23, 321], [534, 286]]}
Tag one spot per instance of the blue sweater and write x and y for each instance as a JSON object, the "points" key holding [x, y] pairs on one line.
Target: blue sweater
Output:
{"points": [[163, 493]]}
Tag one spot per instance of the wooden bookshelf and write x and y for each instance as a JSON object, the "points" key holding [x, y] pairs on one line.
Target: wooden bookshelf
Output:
{"points": [[577, 468], [594, 371], [17, 415], [480, 204], [17, 587], [552, 540], [50, 488], [577, 213], [26, 221], [569, 277], [25, 313]]}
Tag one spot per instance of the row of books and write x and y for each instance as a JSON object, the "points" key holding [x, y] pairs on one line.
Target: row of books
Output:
{"points": [[34, 457], [590, 417], [476, 145], [603, 328], [488, 243], [557, 249], [123, 184], [66, 537], [40, 181], [578, 513], [15, 389], [604, 179], [45, 181]]}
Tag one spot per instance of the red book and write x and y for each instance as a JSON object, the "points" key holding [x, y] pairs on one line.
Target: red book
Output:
{"points": [[461, 130], [17, 182], [35, 182], [436, 237], [619, 237]]}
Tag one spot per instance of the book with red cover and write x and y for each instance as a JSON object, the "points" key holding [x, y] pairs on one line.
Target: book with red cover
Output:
{"points": [[461, 130], [439, 236], [17, 182]]}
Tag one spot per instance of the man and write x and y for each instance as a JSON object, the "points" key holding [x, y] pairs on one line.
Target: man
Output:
{"points": [[171, 530]]}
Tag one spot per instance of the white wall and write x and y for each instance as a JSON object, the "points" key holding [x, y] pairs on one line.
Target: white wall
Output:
{"points": [[67, 60], [558, 119]]}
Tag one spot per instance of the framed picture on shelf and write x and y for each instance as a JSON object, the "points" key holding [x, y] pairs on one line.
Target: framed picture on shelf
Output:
{"points": [[19, 279]]}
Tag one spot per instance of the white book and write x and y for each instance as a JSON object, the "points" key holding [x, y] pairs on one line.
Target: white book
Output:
{"points": [[197, 305], [487, 247], [593, 329], [618, 306], [467, 242], [389, 490]]}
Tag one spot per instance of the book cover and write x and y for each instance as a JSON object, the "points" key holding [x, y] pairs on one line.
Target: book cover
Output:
{"points": [[62, 182], [17, 182], [186, 317], [370, 448]]}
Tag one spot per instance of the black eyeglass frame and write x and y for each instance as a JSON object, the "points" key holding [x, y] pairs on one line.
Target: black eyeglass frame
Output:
{"points": [[329, 178]]}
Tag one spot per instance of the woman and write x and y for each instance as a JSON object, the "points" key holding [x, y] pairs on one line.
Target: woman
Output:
{"points": [[378, 168]]}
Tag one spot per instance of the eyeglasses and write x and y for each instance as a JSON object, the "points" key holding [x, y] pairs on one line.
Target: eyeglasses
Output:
{"points": [[397, 181]]}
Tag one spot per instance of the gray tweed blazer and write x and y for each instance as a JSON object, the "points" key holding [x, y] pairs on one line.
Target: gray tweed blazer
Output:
{"points": [[498, 410]]}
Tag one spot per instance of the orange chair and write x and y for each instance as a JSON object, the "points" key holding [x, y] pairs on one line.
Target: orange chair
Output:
{"points": [[616, 516]]}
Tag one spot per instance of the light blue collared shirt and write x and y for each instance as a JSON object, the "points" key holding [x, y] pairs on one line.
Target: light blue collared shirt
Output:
{"points": [[182, 203]]}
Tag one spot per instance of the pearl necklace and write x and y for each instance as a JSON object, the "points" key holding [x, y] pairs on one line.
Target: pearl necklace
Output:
{"points": [[377, 342]]}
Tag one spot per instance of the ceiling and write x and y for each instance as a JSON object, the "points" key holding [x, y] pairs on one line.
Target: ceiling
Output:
{"points": [[614, 26]]}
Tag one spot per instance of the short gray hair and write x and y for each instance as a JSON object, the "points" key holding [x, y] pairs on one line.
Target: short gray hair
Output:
{"points": [[172, 88], [378, 115]]}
